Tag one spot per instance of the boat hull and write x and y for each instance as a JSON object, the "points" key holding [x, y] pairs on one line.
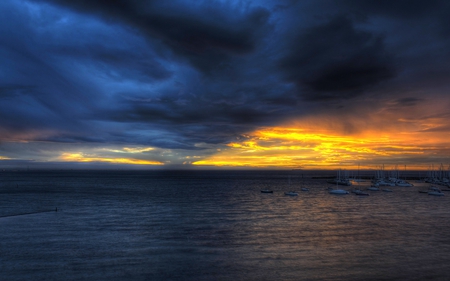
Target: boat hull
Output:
{"points": [[435, 193], [338, 192], [291, 193]]}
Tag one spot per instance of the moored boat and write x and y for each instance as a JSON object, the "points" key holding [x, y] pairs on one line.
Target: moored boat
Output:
{"points": [[338, 191], [436, 193], [291, 193], [361, 193]]}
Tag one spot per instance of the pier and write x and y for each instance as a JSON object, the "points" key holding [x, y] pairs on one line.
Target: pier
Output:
{"points": [[30, 213]]}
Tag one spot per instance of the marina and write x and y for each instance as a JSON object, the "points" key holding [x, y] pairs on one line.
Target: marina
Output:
{"points": [[217, 225]]}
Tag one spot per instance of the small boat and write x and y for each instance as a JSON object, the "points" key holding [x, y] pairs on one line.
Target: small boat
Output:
{"points": [[436, 193], [305, 189], [433, 190], [338, 191], [361, 193], [381, 182], [403, 183], [373, 188], [386, 190], [291, 193], [266, 191]]}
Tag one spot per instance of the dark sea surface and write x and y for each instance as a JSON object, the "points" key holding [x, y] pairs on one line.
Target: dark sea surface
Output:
{"points": [[215, 225]]}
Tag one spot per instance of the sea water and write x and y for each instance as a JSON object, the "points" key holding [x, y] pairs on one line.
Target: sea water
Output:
{"points": [[215, 225]]}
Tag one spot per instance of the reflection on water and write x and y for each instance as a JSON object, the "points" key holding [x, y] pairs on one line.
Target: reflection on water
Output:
{"points": [[215, 226]]}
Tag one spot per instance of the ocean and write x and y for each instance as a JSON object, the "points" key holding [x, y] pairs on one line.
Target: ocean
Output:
{"points": [[215, 225]]}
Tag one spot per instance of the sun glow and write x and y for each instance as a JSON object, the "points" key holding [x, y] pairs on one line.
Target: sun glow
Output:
{"points": [[80, 157], [301, 148]]}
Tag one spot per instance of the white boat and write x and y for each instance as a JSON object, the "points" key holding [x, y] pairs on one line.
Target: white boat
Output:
{"points": [[433, 190], [338, 191], [381, 182], [291, 193], [436, 193], [373, 188]]}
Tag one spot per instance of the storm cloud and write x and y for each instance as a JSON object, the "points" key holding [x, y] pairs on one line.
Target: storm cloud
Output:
{"points": [[206, 33], [194, 76], [336, 61]]}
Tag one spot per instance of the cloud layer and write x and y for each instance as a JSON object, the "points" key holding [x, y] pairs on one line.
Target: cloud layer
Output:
{"points": [[187, 79]]}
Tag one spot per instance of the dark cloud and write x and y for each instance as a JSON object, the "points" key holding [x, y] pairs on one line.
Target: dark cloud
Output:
{"points": [[430, 17], [66, 138], [196, 119], [409, 101], [336, 61], [119, 64], [34, 94], [205, 35], [400, 9], [195, 75]]}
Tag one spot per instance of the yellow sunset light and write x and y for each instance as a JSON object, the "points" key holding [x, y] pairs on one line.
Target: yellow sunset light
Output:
{"points": [[79, 157], [293, 148]]}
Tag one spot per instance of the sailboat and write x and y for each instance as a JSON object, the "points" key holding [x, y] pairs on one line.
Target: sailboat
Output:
{"points": [[435, 191], [358, 177], [290, 193], [337, 191], [338, 180]]}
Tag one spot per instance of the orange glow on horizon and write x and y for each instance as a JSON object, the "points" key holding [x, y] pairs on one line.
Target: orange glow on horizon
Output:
{"points": [[300, 148], [79, 157]]}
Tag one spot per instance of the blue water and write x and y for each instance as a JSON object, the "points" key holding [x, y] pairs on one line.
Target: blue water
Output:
{"points": [[215, 225]]}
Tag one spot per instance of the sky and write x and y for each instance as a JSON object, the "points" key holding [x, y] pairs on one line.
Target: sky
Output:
{"points": [[282, 84]]}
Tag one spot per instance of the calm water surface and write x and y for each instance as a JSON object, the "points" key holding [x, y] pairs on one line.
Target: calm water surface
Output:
{"points": [[161, 225]]}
